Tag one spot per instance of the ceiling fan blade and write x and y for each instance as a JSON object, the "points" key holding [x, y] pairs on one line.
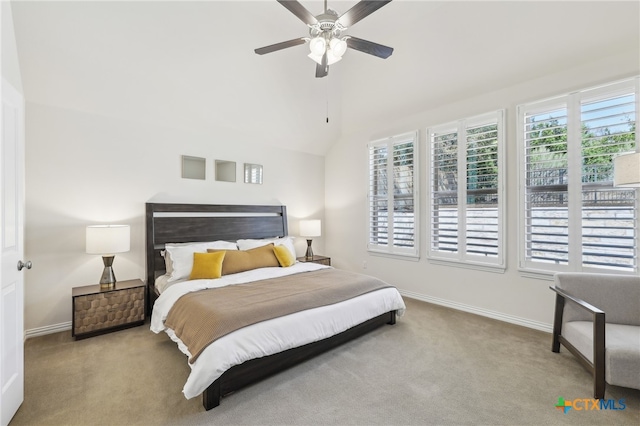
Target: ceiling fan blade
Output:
{"points": [[322, 69], [300, 11], [369, 47], [360, 11], [280, 46]]}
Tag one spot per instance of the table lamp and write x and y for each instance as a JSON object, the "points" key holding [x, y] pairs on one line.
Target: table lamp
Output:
{"points": [[308, 229], [108, 240]]}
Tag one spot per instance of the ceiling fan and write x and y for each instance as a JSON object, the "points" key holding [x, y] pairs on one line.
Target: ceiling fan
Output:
{"points": [[326, 42]]}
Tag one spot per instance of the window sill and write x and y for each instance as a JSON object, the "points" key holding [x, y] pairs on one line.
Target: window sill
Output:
{"points": [[499, 269], [407, 257], [547, 275]]}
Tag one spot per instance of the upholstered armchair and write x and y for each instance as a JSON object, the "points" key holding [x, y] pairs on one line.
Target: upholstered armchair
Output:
{"points": [[597, 318]]}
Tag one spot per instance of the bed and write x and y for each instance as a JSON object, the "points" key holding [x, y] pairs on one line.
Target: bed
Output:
{"points": [[258, 350]]}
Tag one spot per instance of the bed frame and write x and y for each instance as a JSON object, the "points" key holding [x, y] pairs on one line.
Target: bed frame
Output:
{"points": [[177, 223]]}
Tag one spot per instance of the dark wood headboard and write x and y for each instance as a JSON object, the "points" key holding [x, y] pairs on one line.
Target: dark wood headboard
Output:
{"points": [[182, 223]]}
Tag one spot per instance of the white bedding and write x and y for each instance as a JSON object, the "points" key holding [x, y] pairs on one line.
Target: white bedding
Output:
{"points": [[272, 336]]}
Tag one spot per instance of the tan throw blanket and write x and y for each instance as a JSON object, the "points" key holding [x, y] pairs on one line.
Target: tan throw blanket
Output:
{"points": [[201, 317]]}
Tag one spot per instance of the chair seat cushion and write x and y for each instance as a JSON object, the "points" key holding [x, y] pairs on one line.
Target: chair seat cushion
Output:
{"points": [[622, 353]]}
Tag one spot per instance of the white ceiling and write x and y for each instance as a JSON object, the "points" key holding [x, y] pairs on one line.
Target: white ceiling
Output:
{"points": [[191, 64]]}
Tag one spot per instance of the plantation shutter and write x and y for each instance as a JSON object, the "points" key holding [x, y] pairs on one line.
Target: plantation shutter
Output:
{"points": [[444, 192], [378, 196], [404, 219], [546, 191], [608, 213], [481, 213], [466, 184], [392, 195], [574, 218]]}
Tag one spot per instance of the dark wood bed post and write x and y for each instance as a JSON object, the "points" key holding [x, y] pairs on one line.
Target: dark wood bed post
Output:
{"points": [[211, 396], [392, 318], [150, 259]]}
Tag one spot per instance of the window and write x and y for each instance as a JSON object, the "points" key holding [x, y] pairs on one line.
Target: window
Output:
{"points": [[572, 217], [393, 196], [466, 221]]}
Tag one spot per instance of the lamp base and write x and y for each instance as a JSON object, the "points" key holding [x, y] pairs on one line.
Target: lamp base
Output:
{"points": [[108, 278], [309, 253]]}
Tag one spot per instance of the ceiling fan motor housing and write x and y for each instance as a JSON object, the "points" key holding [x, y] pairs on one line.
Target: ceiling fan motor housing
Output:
{"points": [[327, 25]]}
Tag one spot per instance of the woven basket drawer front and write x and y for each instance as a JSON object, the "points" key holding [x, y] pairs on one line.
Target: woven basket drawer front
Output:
{"points": [[98, 311]]}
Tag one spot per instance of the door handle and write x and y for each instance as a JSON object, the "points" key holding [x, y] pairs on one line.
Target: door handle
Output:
{"points": [[26, 264]]}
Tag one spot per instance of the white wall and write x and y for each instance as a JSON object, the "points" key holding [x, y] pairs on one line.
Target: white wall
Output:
{"points": [[84, 169], [507, 296]]}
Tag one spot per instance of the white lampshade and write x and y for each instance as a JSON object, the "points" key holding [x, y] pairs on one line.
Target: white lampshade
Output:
{"points": [[315, 58], [338, 47], [108, 239], [626, 170], [317, 45], [310, 228], [331, 58]]}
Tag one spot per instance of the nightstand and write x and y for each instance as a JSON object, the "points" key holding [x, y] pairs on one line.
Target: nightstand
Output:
{"points": [[323, 260], [98, 311]]}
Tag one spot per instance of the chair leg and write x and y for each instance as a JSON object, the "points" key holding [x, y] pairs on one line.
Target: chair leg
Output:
{"points": [[598, 387], [557, 323], [598, 356]]}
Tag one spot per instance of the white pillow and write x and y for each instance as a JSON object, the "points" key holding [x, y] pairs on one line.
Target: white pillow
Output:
{"points": [[178, 257], [161, 283], [284, 241]]}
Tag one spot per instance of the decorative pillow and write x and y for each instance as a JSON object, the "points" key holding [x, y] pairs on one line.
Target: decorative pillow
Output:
{"points": [[245, 260], [284, 241], [284, 256], [207, 265], [178, 257]]}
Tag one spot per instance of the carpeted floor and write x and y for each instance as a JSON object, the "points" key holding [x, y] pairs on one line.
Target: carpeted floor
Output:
{"points": [[435, 366]]}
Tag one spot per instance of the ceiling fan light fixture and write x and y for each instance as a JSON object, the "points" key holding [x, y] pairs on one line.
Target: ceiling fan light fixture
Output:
{"points": [[338, 47], [317, 46], [331, 58], [315, 58], [325, 30]]}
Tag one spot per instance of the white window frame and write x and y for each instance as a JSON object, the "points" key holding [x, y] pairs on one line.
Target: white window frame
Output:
{"points": [[392, 250], [572, 103], [461, 258]]}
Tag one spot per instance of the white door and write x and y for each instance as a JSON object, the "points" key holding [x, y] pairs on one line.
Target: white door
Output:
{"points": [[11, 246]]}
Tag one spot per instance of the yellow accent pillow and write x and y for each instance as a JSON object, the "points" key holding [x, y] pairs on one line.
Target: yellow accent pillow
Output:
{"points": [[284, 255], [207, 265], [245, 260]]}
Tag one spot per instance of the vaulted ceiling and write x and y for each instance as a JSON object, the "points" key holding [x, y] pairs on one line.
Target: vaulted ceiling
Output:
{"points": [[191, 65]]}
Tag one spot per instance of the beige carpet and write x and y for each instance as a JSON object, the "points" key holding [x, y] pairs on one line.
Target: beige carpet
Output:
{"points": [[435, 366]]}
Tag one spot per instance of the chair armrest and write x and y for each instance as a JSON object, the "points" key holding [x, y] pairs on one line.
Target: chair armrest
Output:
{"points": [[589, 307], [598, 365]]}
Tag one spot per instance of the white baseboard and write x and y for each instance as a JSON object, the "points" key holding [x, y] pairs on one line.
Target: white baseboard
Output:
{"points": [[48, 329], [55, 328], [480, 311]]}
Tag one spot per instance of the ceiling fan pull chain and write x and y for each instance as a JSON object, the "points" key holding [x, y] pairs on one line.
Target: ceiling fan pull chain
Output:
{"points": [[327, 95]]}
